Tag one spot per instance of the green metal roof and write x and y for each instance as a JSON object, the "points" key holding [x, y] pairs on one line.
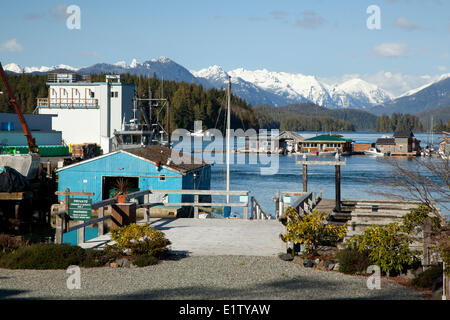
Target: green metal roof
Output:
{"points": [[326, 137]]}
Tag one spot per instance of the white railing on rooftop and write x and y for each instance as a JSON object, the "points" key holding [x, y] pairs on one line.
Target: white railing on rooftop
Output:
{"points": [[67, 103]]}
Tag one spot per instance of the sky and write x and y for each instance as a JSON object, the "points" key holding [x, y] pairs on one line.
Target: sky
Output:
{"points": [[325, 38]]}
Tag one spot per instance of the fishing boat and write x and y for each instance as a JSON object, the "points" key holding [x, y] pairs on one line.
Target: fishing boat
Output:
{"points": [[373, 152]]}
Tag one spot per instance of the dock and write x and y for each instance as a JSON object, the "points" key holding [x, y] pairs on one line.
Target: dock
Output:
{"points": [[214, 236]]}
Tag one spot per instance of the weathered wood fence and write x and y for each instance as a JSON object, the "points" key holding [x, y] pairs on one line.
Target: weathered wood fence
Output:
{"points": [[62, 212]]}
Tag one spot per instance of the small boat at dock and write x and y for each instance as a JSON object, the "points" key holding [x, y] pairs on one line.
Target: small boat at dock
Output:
{"points": [[373, 152]]}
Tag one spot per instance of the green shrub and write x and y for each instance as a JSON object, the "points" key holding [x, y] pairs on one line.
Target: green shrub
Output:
{"points": [[353, 261], [387, 245], [43, 256], [427, 278], [311, 230], [140, 240], [145, 260], [417, 218]]}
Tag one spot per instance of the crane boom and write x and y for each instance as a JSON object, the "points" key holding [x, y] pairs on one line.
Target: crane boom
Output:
{"points": [[26, 130]]}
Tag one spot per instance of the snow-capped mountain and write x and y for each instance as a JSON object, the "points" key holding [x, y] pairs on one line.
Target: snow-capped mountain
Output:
{"points": [[162, 68], [216, 77], [13, 67], [414, 91], [357, 93], [293, 87], [257, 87]]}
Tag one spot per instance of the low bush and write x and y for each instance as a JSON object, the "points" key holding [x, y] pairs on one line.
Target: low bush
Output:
{"points": [[353, 261], [388, 247], [427, 278], [311, 230], [145, 260], [140, 240], [43, 256]]}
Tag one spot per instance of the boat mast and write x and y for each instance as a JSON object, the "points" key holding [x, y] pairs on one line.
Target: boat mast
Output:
{"points": [[228, 137]]}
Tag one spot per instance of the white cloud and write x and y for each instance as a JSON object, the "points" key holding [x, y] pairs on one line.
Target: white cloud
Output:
{"points": [[11, 45], [391, 49], [405, 24], [442, 68]]}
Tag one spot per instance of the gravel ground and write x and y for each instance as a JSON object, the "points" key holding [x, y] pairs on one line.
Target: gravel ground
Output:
{"points": [[199, 277]]}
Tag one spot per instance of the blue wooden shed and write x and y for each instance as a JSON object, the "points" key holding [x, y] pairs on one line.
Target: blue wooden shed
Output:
{"points": [[150, 167]]}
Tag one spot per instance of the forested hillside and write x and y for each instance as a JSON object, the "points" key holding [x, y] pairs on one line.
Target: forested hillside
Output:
{"points": [[399, 122], [309, 116], [188, 101]]}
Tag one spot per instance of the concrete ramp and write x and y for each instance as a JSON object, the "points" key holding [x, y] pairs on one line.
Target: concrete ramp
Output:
{"points": [[216, 236]]}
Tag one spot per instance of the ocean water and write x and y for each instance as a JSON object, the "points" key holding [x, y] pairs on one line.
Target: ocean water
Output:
{"points": [[360, 177]]}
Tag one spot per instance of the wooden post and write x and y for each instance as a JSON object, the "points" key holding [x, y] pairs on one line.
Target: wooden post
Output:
{"points": [[80, 233], [277, 204], [426, 244], [101, 224], [305, 178], [59, 229], [65, 222], [245, 213], [196, 206], [338, 188]]}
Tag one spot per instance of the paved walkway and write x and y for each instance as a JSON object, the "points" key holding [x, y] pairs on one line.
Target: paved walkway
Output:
{"points": [[216, 236]]}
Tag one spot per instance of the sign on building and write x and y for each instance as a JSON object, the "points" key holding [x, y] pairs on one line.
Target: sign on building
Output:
{"points": [[80, 209]]}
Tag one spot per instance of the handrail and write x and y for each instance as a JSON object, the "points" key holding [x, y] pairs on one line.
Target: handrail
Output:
{"points": [[202, 192], [88, 223]]}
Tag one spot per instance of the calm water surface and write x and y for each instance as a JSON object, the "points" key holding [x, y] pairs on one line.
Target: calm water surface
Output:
{"points": [[357, 177]]}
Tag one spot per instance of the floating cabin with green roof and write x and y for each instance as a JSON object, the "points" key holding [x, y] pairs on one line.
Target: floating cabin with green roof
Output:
{"points": [[326, 142]]}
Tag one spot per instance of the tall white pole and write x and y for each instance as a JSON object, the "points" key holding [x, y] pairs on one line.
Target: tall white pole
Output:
{"points": [[228, 137]]}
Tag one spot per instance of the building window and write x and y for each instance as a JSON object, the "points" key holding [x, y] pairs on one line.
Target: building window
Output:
{"points": [[92, 94], [162, 177], [114, 94]]}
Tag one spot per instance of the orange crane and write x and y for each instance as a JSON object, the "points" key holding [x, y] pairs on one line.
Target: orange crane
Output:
{"points": [[32, 146]]}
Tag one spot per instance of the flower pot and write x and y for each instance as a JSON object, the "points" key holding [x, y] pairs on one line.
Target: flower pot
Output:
{"points": [[122, 198]]}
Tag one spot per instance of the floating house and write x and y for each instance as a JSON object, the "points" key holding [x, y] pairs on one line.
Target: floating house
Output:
{"points": [[444, 146], [145, 168], [327, 143], [402, 144], [288, 141], [88, 112]]}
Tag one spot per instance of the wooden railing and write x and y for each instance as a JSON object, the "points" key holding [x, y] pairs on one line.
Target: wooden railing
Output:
{"points": [[62, 225], [257, 211], [196, 204]]}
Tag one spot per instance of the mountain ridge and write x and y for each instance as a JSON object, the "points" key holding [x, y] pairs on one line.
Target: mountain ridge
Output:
{"points": [[258, 87]]}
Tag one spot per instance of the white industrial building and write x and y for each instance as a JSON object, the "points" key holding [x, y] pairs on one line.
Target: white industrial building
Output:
{"points": [[88, 112]]}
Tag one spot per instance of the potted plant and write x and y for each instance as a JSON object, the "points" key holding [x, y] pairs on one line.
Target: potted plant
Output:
{"points": [[122, 185]]}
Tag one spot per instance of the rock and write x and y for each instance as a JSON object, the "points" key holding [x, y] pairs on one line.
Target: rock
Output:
{"points": [[308, 263], [285, 257], [329, 265], [123, 263], [336, 267], [317, 261], [410, 274]]}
